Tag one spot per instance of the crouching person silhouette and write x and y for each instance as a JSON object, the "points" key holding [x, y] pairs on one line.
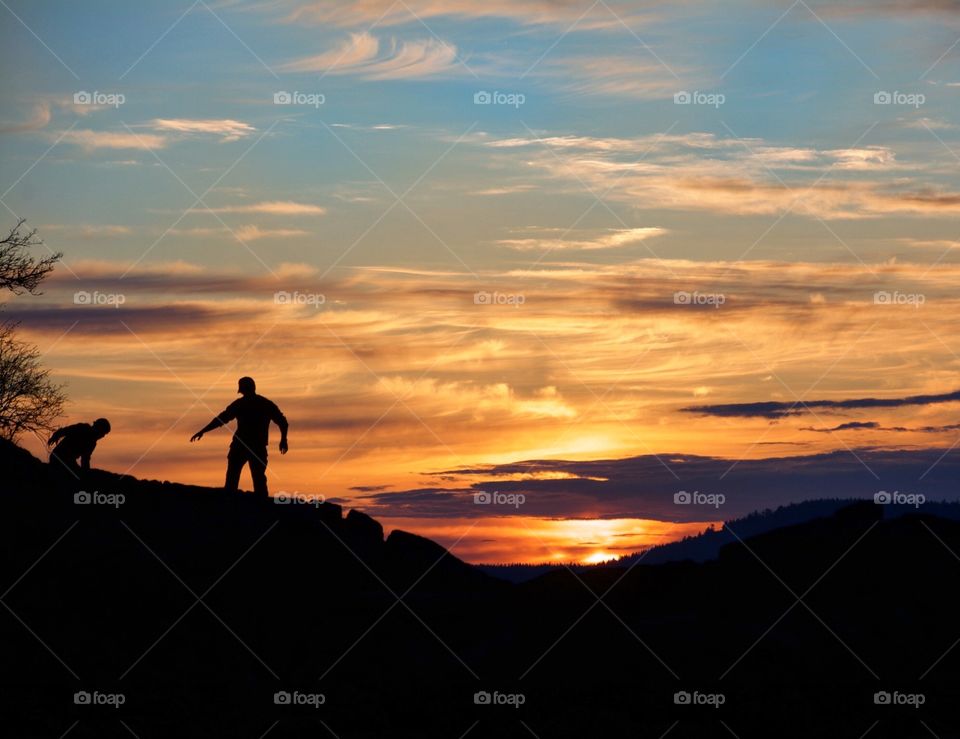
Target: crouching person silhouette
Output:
{"points": [[77, 442], [253, 414]]}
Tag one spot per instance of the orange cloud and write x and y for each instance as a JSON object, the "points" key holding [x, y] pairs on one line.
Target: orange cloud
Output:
{"points": [[699, 172], [275, 207], [611, 239], [405, 367]]}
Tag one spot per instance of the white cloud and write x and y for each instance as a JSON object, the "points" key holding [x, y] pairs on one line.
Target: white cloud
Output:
{"points": [[933, 124], [345, 13], [364, 55], [228, 128], [358, 49], [93, 140]]}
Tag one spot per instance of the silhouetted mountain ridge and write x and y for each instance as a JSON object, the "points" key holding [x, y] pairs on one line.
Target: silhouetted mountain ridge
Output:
{"points": [[707, 545], [199, 606]]}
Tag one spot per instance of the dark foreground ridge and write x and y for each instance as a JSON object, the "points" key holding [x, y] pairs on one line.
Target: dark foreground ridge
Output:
{"points": [[210, 615]]}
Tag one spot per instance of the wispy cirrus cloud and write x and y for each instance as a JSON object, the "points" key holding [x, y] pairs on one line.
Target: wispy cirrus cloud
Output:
{"points": [[88, 230], [875, 7], [38, 117], [366, 56], [505, 189], [254, 233], [274, 207], [610, 239], [938, 244], [248, 232], [357, 49], [706, 172], [159, 133], [90, 140], [525, 12], [621, 76], [227, 128]]}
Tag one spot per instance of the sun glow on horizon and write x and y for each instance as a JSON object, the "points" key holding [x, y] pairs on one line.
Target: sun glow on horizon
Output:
{"points": [[598, 558], [512, 540]]}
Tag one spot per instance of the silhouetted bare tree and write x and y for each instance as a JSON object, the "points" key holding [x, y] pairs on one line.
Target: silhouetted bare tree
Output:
{"points": [[29, 400], [20, 270]]}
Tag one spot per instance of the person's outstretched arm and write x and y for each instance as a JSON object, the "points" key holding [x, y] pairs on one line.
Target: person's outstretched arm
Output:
{"points": [[225, 416], [60, 433], [281, 420]]}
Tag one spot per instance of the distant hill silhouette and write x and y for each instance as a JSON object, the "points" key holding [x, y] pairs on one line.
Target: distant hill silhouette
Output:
{"points": [[302, 599], [706, 545]]}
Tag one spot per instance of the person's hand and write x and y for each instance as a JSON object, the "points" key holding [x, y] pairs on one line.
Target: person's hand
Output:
{"points": [[197, 436], [283, 446]]}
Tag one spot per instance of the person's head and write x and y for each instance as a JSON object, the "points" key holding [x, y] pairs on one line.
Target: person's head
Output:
{"points": [[247, 386], [102, 427]]}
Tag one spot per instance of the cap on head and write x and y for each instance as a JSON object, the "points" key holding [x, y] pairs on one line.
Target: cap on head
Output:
{"points": [[102, 425], [246, 385]]}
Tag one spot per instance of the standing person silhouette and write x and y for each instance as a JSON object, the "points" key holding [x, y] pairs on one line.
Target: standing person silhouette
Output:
{"points": [[77, 442], [253, 414]]}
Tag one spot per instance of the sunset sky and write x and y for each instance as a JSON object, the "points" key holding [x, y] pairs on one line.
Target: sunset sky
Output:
{"points": [[452, 238]]}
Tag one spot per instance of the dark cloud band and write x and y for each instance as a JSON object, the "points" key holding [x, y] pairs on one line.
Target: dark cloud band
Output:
{"points": [[772, 409]]}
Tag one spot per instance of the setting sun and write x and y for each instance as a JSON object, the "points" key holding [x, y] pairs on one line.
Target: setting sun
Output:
{"points": [[598, 557]]}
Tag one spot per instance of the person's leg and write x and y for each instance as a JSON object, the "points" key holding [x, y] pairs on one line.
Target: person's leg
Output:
{"points": [[63, 464], [235, 461], [258, 471]]}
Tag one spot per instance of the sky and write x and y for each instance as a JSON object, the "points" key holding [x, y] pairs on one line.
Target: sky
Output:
{"points": [[574, 258]]}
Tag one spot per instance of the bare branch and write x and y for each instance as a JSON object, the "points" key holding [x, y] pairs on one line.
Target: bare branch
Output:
{"points": [[20, 270], [29, 399]]}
